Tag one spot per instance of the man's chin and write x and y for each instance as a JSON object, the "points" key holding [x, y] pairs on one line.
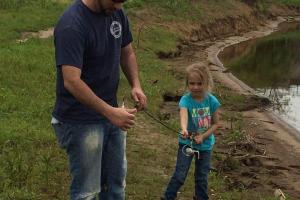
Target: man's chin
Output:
{"points": [[109, 12]]}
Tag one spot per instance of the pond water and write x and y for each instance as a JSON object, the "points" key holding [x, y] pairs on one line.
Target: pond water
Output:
{"points": [[271, 65]]}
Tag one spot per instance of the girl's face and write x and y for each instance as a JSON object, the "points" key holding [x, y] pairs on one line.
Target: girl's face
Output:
{"points": [[196, 85]]}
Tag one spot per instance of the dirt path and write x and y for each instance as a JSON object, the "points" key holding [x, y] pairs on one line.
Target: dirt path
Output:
{"points": [[43, 34], [280, 165]]}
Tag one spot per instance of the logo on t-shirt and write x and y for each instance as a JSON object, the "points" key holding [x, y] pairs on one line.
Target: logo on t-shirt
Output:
{"points": [[201, 117], [116, 29]]}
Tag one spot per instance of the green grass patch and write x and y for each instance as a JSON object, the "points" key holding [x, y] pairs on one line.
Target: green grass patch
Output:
{"points": [[183, 10], [290, 2], [31, 161], [169, 8], [28, 16], [218, 187]]}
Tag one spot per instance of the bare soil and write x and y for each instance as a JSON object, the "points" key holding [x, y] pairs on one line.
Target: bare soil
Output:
{"points": [[43, 34]]}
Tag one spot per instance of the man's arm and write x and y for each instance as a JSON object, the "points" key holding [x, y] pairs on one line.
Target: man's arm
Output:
{"points": [[130, 69], [123, 118]]}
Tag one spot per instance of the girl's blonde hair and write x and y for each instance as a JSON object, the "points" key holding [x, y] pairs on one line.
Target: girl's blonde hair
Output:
{"points": [[203, 72]]}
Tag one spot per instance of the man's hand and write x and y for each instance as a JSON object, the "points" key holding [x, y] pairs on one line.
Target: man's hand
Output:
{"points": [[138, 96], [130, 69], [198, 139], [122, 117]]}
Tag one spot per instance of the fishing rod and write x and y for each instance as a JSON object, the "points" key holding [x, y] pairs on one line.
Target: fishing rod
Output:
{"points": [[149, 114], [187, 150], [159, 121]]}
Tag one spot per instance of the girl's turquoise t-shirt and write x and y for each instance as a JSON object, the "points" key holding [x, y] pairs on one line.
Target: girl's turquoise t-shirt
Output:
{"points": [[199, 118]]}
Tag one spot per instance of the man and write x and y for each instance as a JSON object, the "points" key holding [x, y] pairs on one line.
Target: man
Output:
{"points": [[92, 38]]}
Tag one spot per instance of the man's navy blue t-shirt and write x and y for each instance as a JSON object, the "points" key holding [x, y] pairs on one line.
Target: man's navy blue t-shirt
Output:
{"points": [[91, 42]]}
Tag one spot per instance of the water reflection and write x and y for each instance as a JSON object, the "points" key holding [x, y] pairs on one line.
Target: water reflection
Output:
{"points": [[271, 65], [286, 102]]}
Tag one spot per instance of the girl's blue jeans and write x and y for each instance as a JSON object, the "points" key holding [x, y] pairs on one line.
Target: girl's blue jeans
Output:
{"points": [[202, 167], [97, 159]]}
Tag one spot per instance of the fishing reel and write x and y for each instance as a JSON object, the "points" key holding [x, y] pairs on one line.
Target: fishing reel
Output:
{"points": [[189, 151]]}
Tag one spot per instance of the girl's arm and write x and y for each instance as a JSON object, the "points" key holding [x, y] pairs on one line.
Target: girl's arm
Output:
{"points": [[215, 125], [184, 122]]}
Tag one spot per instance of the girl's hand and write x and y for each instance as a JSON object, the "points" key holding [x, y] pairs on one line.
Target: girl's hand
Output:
{"points": [[198, 139], [184, 134]]}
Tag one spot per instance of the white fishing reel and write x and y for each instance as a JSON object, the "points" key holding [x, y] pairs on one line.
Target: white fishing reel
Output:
{"points": [[188, 151]]}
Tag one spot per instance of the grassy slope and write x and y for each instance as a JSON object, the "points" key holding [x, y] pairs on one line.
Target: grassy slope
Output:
{"points": [[31, 163], [289, 2], [32, 166]]}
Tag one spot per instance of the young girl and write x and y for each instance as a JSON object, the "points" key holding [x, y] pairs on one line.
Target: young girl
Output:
{"points": [[199, 120]]}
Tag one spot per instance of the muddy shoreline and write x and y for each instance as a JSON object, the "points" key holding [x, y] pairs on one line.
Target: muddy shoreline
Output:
{"points": [[234, 83]]}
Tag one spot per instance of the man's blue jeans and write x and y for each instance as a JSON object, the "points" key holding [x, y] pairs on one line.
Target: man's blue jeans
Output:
{"points": [[202, 167], [97, 159]]}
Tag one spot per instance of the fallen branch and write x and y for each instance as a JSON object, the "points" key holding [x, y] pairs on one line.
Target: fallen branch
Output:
{"points": [[271, 130], [279, 194], [251, 156], [266, 121]]}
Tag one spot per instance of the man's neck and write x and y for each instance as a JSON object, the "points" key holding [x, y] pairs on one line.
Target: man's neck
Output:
{"points": [[93, 5]]}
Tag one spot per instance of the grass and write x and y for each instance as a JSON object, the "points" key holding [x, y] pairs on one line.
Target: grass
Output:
{"points": [[263, 5], [169, 7], [29, 152], [290, 2], [190, 11], [32, 166], [22, 16]]}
